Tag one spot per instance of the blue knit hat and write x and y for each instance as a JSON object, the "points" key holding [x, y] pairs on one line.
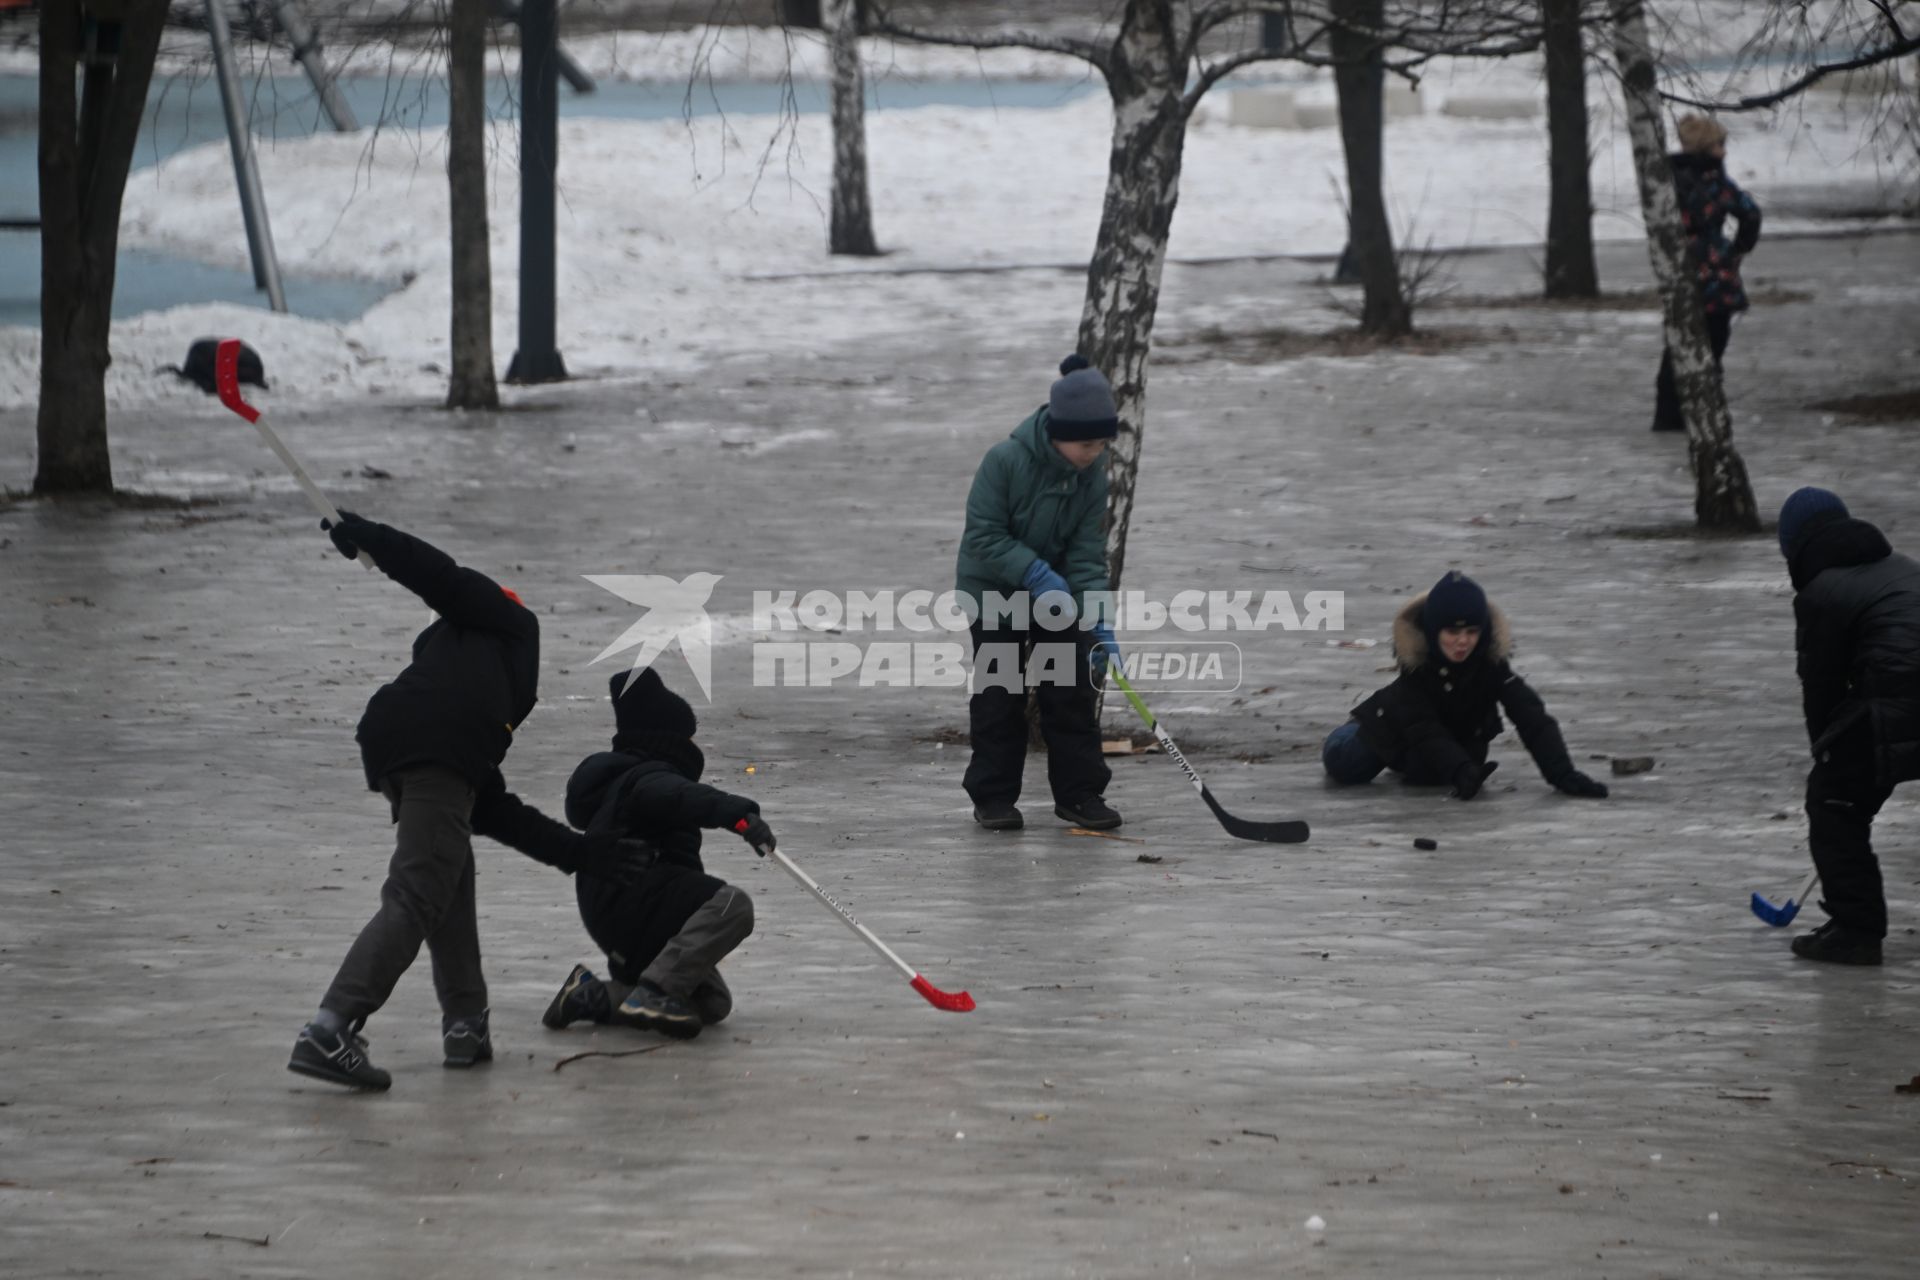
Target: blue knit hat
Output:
{"points": [[1797, 515], [1455, 601], [1080, 406]]}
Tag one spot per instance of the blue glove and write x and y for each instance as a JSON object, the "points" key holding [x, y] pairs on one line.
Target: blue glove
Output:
{"points": [[1105, 648], [1040, 579]]}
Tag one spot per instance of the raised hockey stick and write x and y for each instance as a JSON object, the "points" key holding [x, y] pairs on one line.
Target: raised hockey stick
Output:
{"points": [[1240, 828], [950, 1001], [226, 380], [1781, 916]]}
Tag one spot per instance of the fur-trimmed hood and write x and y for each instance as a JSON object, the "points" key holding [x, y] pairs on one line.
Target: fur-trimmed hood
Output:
{"points": [[1410, 635]]}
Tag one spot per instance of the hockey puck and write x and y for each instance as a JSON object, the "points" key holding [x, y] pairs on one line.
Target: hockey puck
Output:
{"points": [[1424, 843]]}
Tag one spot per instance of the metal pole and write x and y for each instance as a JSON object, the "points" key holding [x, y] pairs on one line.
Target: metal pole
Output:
{"points": [[305, 39], [538, 359], [253, 205], [572, 72]]}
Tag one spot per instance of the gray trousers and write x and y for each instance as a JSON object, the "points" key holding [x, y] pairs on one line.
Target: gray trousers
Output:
{"points": [[428, 897], [688, 966]]}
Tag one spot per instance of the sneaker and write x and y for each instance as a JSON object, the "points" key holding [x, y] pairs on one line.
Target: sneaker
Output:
{"points": [[649, 1008], [582, 998], [467, 1041], [337, 1058], [1093, 813], [1837, 944], [998, 816]]}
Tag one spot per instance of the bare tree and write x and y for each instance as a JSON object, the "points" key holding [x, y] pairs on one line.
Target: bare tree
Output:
{"points": [[1723, 496], [851, 228], [1150, 54], [470, 380], [1570, 272], [86, 149], [1359, 77]]}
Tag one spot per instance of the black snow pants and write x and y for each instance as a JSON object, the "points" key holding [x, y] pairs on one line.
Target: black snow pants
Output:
{"points": [[1841, 806], [1666, 401], [1069, 715]]}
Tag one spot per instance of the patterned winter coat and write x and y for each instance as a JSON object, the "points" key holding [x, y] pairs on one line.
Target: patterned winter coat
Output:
{"points": [[1708, 197]]}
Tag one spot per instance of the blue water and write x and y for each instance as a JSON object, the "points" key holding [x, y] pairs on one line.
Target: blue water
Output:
{"points": [[184, 113]]}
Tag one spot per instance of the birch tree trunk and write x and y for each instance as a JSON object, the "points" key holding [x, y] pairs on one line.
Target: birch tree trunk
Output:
{"points": [[1146, 76], [851, 229], [1723, 497], [86, 149], [1359, 79], [470, 384], [1571, 272]]}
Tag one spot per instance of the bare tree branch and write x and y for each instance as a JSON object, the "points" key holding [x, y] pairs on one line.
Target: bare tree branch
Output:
{"points": [[880, 23], [1754, 102]]}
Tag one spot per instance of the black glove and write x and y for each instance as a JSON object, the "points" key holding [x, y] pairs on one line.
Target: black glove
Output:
{"points": [[1470, 777], [755, 831], [342, 533], [605, 856], [1579, 784]]}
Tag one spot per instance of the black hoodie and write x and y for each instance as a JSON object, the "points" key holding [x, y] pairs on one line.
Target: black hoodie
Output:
{"points": [[1857, 642], [475, 672]]}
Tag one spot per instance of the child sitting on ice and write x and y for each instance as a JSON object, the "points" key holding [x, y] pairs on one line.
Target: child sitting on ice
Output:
{"points": [[664, 933], [1433, 724]]}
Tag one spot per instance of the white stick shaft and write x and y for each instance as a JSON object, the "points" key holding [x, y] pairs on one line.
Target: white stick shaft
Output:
{"points": [[305, 481], [1807, 888], [845, 915]]}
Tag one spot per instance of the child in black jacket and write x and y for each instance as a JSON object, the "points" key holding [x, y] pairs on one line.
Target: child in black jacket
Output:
{"points": [[1856, 610], [1433, 724], [665, 933], [432, 741]]}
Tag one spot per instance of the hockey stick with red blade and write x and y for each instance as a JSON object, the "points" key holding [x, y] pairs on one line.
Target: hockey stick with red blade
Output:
{"points": [[950, 1001], [226, 381]]}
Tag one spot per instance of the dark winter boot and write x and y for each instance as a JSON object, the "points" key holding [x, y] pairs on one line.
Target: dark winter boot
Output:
{"points": [[1093, 813], [466, 1041], [998, 815], [648, 1008], [582, 998], [1836, 944], [338, 1057]]}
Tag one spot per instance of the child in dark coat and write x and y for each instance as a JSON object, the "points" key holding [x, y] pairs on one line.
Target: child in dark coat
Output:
{"points": [[665, 933], [432, 742], [1856, 611], [1434, 723]]}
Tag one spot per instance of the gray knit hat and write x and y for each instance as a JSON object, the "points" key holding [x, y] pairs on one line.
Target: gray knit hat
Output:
{"points": [[1080, 406]]}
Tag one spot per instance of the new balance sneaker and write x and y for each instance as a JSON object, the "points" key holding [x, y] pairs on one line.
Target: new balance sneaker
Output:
{"points": [[998, 816], [1091, 812], [651, 1009], [338, 1057], [582, 998], [467, 1041], [1836, 944], [711, 1001]]}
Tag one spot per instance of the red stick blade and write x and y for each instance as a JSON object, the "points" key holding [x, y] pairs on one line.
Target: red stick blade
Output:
{"points": [[950, 1001], [226, 379]]}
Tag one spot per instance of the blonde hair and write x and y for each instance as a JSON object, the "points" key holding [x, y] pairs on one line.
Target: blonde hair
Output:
{"points": [[1700, 134]]}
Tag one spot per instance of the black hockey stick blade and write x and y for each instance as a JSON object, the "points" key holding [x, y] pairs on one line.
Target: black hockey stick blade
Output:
{"points": [[1266, 832]]}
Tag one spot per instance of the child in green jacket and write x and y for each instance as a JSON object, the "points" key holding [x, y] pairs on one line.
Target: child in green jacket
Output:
{"points": [[1034, 537]]}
